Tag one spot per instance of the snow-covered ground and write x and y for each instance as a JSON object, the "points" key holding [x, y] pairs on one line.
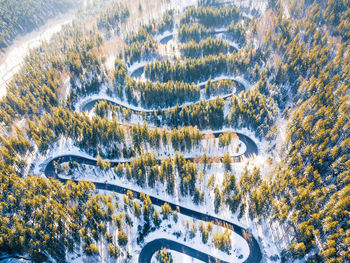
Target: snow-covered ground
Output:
{"points": [[240, 79], [169, 229], [240, 248], [94, 174], [259, 5], [262, 230], [178, 258], [209, 146], [14, 56], [181, 5], [104, 96], [137, 65], [14, 260], [165, 34]]}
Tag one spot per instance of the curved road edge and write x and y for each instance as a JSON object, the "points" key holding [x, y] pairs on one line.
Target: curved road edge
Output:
{"points": [[255, 254], [152, 247]]}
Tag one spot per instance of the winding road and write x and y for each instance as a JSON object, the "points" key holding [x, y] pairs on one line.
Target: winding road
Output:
{"points": [[164, 39], [233, 46], [241, 84], [150, 248], [89, 103], [153, 246], [251, 150]]}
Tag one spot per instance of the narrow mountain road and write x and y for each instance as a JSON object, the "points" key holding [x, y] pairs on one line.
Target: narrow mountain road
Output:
{"points": [[152, 247], [255, 255], [88, 103]]}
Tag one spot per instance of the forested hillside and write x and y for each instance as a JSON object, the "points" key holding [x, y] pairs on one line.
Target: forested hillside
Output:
{"points": [[223, 130], [23, 16]]}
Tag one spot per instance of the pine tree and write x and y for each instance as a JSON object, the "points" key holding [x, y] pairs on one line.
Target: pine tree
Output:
{"points": [[156, 218], [166, 210], [227, 162], [122, 238]]}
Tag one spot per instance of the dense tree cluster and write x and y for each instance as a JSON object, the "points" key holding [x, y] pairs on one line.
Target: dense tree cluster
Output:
{"points": [[100, 136], [19, 17], [208, 46], [253, 109], [13, 150], [85, 66], [114, 15], [301, 73], [161, 95], [192, 70], [203, 21], [138, 51], [104, 109], [141, 46], [194, 33], [180, 139], [226, 138], [49, 220], [237, 32], [222, 241], [152, 95], [119, 78], [221, 87], [333, 14], [31, 93], [92, 135], [308, 192], [166, 23], [152, 171], [211, 17], [37, 89], [204, 115], [318, 157], [311, 186], [205, 231]]}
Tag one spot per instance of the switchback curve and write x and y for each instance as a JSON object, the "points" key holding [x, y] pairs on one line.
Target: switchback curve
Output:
{"points": [[87, 104], [255, 254], [152, 247]]}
